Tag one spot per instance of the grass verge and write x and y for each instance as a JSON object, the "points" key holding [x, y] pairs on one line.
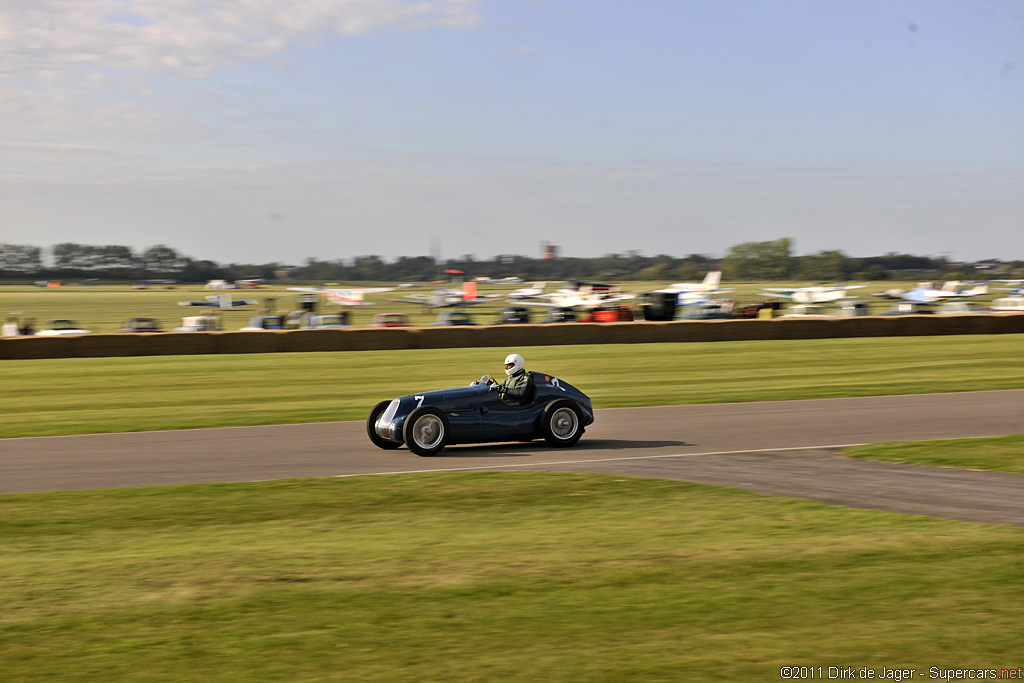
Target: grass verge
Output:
{"points": [[996, 454], [490, 577], [70, 396]]}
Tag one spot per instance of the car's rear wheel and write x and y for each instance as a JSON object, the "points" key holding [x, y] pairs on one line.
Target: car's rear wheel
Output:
{"points": [[371, 428], [426, 431], [561, 423]]}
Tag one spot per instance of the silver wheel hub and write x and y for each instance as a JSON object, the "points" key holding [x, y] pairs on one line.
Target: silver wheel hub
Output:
{"points": [[564, 423], [428, 431]]}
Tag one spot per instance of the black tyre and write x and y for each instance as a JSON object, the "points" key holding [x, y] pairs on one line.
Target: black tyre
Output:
{"points": [[561, 423], [377, 439], [426, 431]]}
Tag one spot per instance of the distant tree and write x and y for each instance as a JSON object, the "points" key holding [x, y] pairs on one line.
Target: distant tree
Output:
{"points": [[321, 270], [823, 266], [369, 268], [115, 261], [69, 257], [689, 272], [202, 271], [418, 268], [874, 272], [659, 271], [759, 260], [20, 259], [162, 261]]}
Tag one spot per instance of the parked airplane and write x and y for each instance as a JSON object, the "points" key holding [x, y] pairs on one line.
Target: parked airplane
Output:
{"points": [[531, 292], [219, 301], [353, 296], [512, 280], [582, 295], [925, 292], [810, 295], [696, 292], [444, 298], [1015, 289]]}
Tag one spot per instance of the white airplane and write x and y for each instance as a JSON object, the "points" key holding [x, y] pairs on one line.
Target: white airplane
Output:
{"points": [[925, 292], [353, 296], [583, 295], [219, 301], [1016, 288], [696, 292], [445, 298], [532, 292], [810, 295]]}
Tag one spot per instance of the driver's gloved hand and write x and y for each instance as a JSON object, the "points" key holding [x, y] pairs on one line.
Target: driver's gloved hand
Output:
{"points": [[492, 387]]}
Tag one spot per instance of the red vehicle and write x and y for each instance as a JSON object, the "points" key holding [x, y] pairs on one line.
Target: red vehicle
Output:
{"points": [[390, 320], [612, 314]]}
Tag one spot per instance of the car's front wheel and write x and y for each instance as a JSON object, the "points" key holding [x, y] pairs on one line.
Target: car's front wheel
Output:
{"points": [[371, 428], [561, 423], [426, 431]]}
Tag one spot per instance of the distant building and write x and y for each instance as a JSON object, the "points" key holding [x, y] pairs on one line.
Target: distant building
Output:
{"points": [[548, 251]]}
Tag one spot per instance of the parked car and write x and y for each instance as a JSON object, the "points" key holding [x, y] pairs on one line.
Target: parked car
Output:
{"points": [[60, 328], [608, 314], [264, 322], [199, 323], [910, 308], [806, 311], [1007, 304], [560, 314], [141, 325], [658, 305], [390, 320], [852, 308], [761, 310], [513, 315], [960, 308], [427, 422], [704, 311], [324, 322], [454, 318]]}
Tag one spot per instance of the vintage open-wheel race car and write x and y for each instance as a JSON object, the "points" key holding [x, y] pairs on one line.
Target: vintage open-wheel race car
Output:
{"points": [[554, 410]]}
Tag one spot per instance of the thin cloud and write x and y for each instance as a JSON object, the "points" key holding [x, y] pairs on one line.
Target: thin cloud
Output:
{"points": [[193, 37]]}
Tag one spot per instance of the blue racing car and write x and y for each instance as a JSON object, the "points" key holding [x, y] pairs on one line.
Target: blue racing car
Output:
{"points": [[554, 410]]}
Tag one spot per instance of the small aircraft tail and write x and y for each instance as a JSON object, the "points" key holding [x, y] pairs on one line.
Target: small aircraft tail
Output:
{"points": [[469, 290], [977, 290], [712, 280]]}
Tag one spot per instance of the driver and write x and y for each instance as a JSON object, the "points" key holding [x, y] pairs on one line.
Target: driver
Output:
{"points": [[517, 387]]}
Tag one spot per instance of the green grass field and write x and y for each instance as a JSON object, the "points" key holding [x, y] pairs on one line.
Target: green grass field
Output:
{"points": [[104, 308], [997, 454], [488, 577], [70, 396], [495, 577]]}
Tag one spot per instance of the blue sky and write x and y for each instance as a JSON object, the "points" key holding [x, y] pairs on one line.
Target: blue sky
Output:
{"points": [[264, 130]]}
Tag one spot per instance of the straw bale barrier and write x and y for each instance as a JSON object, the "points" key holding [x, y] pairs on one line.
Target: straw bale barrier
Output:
{"points": [[506, 336]]}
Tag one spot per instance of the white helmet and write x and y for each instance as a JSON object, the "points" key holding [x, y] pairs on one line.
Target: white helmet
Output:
{"points": [[513, 364]]}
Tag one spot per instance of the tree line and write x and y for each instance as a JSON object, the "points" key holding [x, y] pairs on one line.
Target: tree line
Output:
{"points": [[758, 261]]}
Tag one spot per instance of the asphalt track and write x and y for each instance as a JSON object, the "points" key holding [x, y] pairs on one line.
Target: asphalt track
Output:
{"points": [[786, 448]]}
